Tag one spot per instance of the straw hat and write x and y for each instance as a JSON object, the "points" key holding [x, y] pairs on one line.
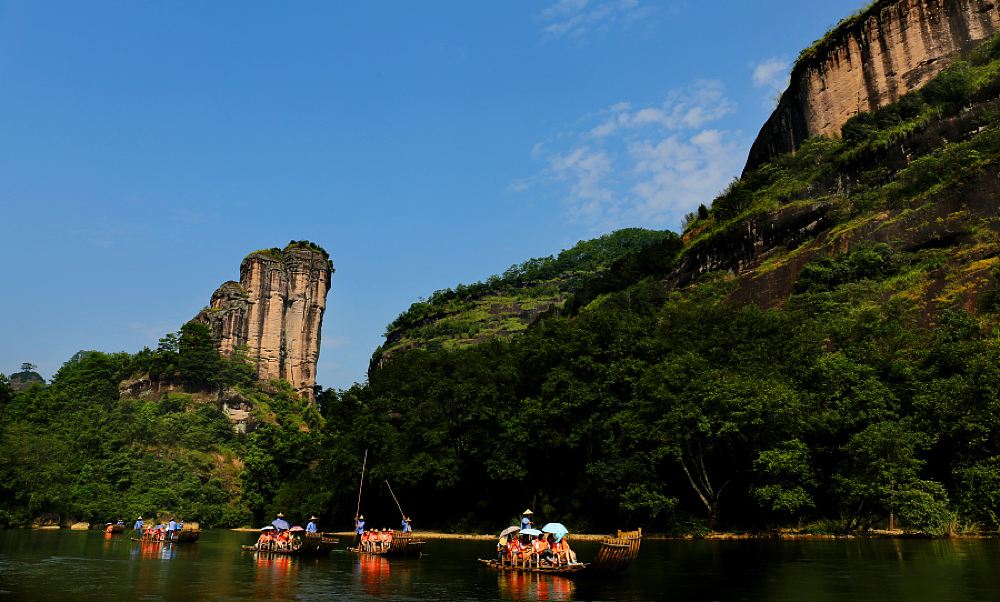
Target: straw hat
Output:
{"points": [[362, 517], [528, 511], [313, 518], [280, 515], [140, 518]]}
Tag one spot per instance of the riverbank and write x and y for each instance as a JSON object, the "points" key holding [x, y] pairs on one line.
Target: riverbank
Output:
{"points": [[713, 536]]}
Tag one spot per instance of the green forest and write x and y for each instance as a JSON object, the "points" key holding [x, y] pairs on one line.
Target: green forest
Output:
{"points": [[869, 386]]}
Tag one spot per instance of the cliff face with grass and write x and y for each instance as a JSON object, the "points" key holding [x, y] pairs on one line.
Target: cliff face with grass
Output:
{"points": [[919, 175], [869, 61], [507, 304], [274, 314]]}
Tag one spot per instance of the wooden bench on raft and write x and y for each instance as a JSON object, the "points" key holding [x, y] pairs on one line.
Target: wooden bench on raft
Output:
{"points": [[617, 553]]}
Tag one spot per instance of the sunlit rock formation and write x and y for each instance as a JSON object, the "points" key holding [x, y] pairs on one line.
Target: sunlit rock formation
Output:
{"points": [[274, 314], [868, 62]]}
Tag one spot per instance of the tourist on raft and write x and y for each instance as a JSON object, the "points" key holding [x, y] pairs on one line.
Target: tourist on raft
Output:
{"points": [[542, 550]]}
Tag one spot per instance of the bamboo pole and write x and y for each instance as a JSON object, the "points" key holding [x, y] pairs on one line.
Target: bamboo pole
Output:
{"points": [[361, 484], [395, 499]]}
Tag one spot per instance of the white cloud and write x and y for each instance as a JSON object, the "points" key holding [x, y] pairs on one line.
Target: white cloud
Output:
{"points": [[587, 172], [674, 175], [643, 165], [519, 185], [772, 74], [574, 18], [336, 342], [703, 102]]}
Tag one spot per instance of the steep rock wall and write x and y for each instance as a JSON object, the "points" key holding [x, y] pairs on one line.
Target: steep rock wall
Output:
{"points": [[870, 61], [275, 313]]}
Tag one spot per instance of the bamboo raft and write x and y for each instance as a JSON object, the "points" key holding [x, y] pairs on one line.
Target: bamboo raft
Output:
{"points": [[187, 536], [283, 552], [616, 555], [318, 543], [402, 546], [184, 536]]}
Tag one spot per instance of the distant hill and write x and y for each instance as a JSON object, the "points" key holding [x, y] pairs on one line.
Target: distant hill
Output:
{"points": [[506, 304], [20, 381]]}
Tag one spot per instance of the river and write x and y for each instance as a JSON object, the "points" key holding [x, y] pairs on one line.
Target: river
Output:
{"points": [[75, 565]]}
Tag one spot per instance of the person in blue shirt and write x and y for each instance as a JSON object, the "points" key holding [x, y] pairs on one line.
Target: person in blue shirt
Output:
{"points": [[311, 527], [359, 529], [171, 527], [407, 528], [138, 526], [526, 520]]}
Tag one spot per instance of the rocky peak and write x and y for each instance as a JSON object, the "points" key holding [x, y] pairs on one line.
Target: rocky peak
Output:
{"points": [[275, 312], [869, 61]]}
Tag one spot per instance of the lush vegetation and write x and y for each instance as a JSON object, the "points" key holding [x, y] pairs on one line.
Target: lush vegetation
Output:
{"points": [[79, 449], [506, 304]]}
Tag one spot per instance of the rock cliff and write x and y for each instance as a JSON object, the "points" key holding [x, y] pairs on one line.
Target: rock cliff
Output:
{"points": [[869, 61], [275, 312]]}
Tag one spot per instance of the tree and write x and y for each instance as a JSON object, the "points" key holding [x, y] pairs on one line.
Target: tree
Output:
{"points": [[198, 359]]}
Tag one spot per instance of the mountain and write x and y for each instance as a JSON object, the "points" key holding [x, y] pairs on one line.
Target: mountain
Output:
{"points": [[871, 59], [274, 314], [818, 349], [918, 175], [507, 304]]}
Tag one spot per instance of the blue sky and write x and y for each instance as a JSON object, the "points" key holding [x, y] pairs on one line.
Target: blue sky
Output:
{"points": [[146, 147]]}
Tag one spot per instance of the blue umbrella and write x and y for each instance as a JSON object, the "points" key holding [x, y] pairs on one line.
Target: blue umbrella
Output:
{"points": [[531, 532], [556, 529], [280, 524]]}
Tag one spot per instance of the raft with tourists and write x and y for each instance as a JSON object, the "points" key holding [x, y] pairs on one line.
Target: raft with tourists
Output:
{"points": [[547, 551], [284, 539], [387, 543], [171, 533]]}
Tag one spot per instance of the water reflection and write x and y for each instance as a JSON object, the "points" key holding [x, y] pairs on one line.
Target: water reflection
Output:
{"points": [[373, 572], [85, 566], [276, 575], [148, 550], [533, 586]]}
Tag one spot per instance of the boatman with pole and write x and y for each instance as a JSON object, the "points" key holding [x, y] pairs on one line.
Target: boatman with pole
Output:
{"points": [[526, 520], [171, 528], [138, 526], [359, 529], [407, 527], [311, 527]]}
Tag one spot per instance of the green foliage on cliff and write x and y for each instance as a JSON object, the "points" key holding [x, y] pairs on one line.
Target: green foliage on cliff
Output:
{"points": [[838, 32], [506, 304], [279, 254], [863, 172]]}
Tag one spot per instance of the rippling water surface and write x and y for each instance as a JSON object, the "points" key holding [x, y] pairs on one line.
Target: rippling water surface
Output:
{"points": [[73, 565]]}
